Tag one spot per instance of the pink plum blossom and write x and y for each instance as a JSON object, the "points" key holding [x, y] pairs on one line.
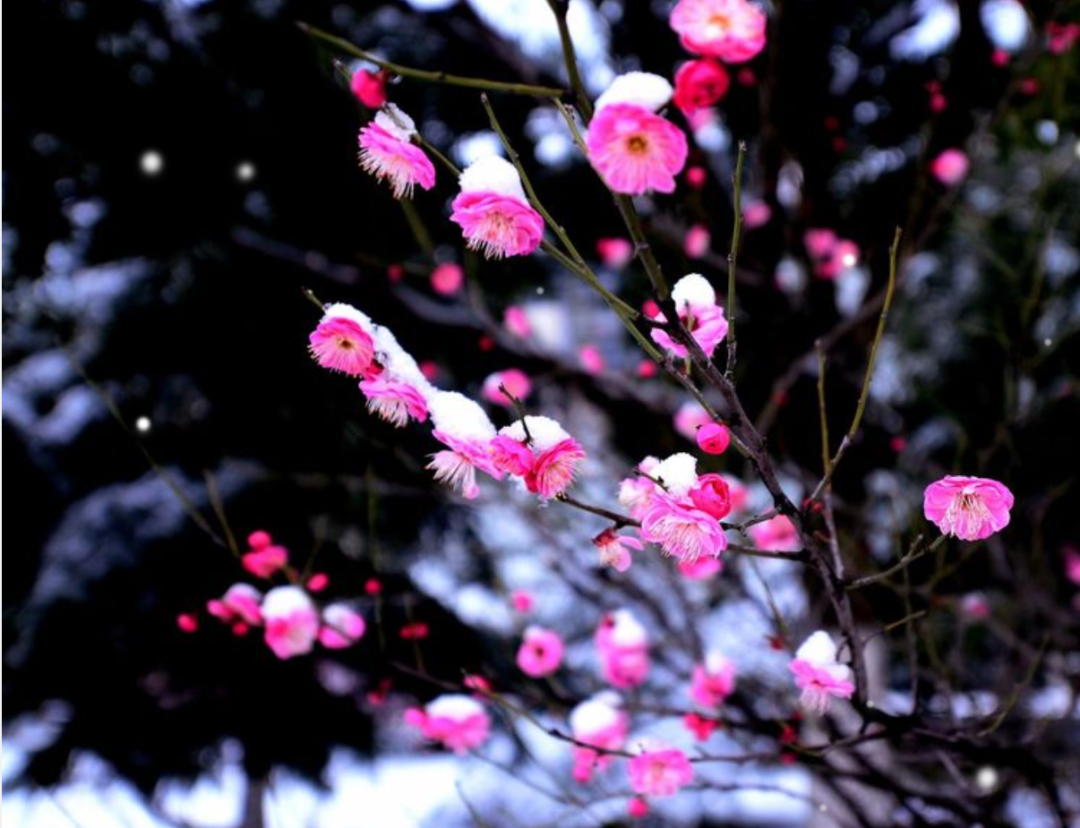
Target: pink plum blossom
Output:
{"points": [[597, 721], [342, 342], [637, 808], [950, 167], [695, 300], [636, 493], [969, 508], [342, 626], [713, 438], [713, 681], [463, 427], [689, 418], [615, 549], [240, 602], [291, 621], [514, 380], [369, 87], [696, 177], [615, 253], [493, 212], [697, 241], [975, 606], [777, 534], [731, 30], [265, 558], [541, 652], [622, 644], [1072, 564], [447, 278], [756, 214], [660, 772], [830, 254], [388, 153], [700, 83], [396, 402], [516, 321], [522, 601], [1061, 37], [702, 569], [819, 675], [681, 529], [711, 495], [635, 151], [457, 721], [592, 361], [555, 455]]}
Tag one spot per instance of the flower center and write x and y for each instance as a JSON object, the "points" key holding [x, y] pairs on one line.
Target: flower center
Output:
{"points": [[637, 145]]}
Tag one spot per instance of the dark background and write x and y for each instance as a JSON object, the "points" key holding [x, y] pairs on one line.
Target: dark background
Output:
{"points": [[179, 297]]}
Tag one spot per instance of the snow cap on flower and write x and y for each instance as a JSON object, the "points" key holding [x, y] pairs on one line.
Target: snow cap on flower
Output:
{"points": [[638, 88], [458, 416], [399, 363], [626, 630], [454, 706], [545, 432], [693, 290], [819, 674], [396, 122], [492, 174], [678, 473], [596, 713], [342, 310]]}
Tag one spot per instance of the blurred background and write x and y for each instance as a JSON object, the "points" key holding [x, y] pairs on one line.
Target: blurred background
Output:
{"points": [[179, 171]]}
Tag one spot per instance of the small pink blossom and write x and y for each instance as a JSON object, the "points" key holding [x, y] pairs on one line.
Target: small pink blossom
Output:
{"points": [[969, 508], [340, 343], [457, 465], [240, 601], [187, 622], [387, 152], [975, 606], [700, 726], [622, 644], [756, 214], [1072, 563], [493, 212], [342, 626], [697, 241], [615, 549], [522, 601], [514, 380], [447, 278], [819, 675], [636, 493], [702, 569], [696, 177], [711, 495], [369, 88], [637, 808], [1061, 37], [291, 621], [516, 321], [511, 456], [700, 83], [394, 401], [318, 582], [681, 529], [457, 721], [713, 681], [541, 652], [554, 469], [732, 30], [634, 150], [265, 561], [713, 438], [830, 254], [592, 361], [777, 534], [598, 722], [689, 418], [660, 772], [950, 167], [615, 253], [695, 300]]}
